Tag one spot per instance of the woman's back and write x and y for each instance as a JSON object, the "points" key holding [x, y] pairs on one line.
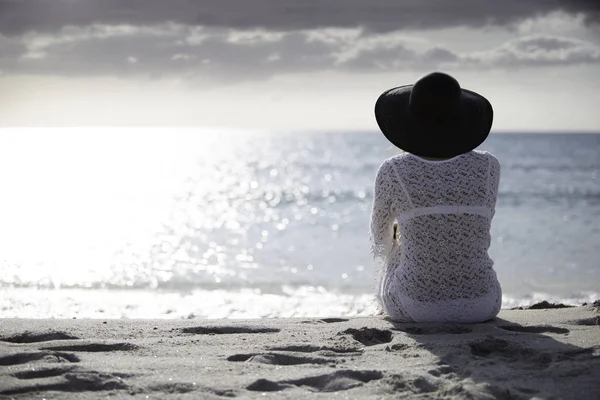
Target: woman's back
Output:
{"points": [[444, 211]]}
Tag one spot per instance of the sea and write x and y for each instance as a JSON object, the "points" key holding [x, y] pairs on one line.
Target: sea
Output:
{"points": [[212, 223]]}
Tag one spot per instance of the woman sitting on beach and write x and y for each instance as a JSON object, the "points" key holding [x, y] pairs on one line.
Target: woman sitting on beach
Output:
{"points": [[442, 194]]}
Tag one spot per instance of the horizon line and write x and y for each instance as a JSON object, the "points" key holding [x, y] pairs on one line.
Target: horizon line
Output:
{"points": [[274, 130]]}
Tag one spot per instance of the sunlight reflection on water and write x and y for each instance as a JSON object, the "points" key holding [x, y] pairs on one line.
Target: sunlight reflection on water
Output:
{"points": [[144, 208], [74, 199]]}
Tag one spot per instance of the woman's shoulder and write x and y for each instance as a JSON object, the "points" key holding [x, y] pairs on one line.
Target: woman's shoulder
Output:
{"points": [[484, 154], [391, 165]]}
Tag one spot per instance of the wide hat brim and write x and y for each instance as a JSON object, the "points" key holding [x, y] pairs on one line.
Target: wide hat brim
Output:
{"points": [[468, 127]]}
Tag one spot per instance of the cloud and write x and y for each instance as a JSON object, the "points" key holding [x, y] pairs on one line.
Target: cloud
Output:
{"points": [[185, 52], [538, 50], [234, 39], [20, 16], [557, 22]]}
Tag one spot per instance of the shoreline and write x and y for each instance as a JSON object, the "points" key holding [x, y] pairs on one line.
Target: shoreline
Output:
{"points": [[289, 302], [519, 355]]}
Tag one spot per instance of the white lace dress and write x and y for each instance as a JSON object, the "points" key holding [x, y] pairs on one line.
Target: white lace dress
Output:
{"points": [[438, 270]]}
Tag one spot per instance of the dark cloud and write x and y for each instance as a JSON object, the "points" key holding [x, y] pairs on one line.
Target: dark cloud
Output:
{"points": [[261, 38], [179, 51], [20, 16], [187, 53]]}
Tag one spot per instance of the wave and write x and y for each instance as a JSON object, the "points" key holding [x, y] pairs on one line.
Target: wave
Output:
{"points": [[303, 301]]}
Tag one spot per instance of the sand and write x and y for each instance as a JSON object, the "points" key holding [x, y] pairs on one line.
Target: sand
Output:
{"points": [[523, 354]]}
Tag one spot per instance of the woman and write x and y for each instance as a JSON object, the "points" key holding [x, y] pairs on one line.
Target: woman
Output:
{"points": [[442, 194]]}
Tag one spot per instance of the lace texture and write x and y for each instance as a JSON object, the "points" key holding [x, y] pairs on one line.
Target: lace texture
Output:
{"points": [[438, 269]]}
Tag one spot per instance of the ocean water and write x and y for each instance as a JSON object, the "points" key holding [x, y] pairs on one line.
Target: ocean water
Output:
{"points": [[201, 223]]}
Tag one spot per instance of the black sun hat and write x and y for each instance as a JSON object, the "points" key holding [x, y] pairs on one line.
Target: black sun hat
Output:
{"points": [[435, 117]]}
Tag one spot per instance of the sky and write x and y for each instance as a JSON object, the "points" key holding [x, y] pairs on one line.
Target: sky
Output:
{"points": [[290, 64]]}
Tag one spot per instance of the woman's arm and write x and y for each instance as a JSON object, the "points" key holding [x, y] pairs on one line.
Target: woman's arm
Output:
{"points": [[382, 218]]}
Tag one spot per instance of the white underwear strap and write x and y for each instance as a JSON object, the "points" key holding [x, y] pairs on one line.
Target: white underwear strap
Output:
{"points": [[417, 212]]}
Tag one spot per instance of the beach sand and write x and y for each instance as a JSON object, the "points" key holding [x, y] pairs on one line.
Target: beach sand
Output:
{"points": [[523, 354]]}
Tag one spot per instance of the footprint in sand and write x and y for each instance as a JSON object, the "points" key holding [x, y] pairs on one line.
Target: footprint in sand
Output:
{"points": [[174, 388], [186, 387], [488, 346], [534, 329], [500, 348], [333, 382], [588, 321], [398, 383], [42, 373], [224, 330], [43, 356], [307, 348], [325, 321], [66, 378], [59, 353], [278, 359], [369, 336], [83, 381], [94, 347], [29, 337], [442, 370]]}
